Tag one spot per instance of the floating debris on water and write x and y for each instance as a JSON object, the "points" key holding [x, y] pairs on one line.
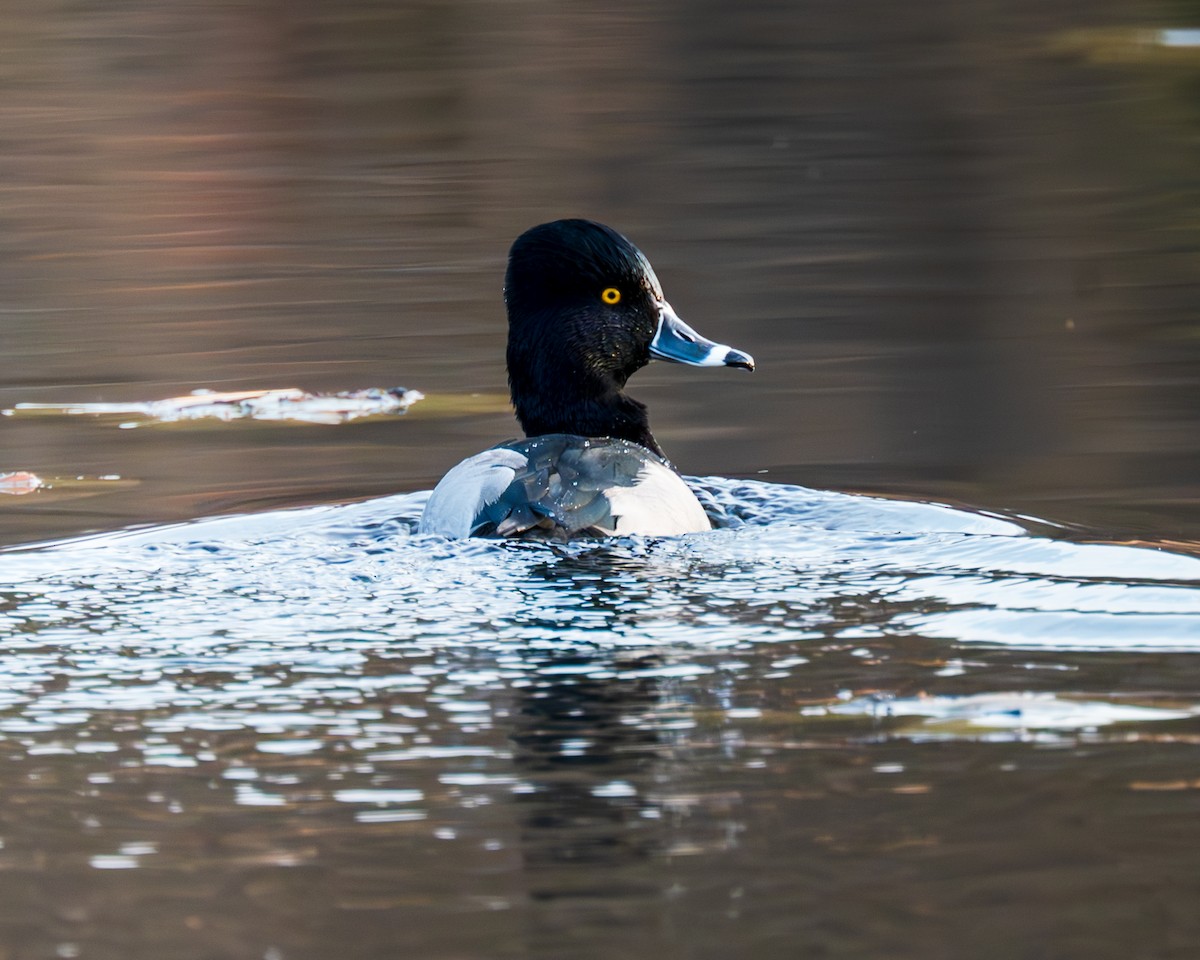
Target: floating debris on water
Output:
{"points": [[1179, 38], [19, 483], [290, 404], [1131, 45]]}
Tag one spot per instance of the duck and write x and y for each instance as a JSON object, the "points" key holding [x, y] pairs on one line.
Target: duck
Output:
{"points": [[585, 312]]}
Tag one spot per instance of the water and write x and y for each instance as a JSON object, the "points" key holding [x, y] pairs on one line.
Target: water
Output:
{"points": [[246, 712], [814, 728]]}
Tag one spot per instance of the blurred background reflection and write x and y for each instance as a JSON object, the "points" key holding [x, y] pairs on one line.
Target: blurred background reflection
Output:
{"points": [[960, 240]]}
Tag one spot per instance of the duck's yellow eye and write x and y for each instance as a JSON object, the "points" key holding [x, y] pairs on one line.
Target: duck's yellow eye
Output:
{"points": [[611, 295]]}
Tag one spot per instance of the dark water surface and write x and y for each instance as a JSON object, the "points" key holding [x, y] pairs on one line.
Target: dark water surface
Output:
{"points": [[961, 241]]}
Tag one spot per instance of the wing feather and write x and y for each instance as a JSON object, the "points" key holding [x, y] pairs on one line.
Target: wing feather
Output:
{"points": [[559, 487]]}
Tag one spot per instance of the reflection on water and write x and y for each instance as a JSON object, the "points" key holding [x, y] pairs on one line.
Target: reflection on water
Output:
{"points": [[962, 243], [352, 735], [281, 405]]}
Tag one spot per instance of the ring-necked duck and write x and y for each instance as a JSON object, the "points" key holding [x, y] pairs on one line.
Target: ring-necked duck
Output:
{"points": [[585, 312]]}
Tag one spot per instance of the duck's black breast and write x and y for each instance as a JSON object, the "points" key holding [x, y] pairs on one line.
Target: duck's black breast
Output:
{"points": [[562, 486]]}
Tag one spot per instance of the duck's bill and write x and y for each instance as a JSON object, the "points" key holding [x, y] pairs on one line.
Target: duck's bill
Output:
{"points": [[676, 341]]}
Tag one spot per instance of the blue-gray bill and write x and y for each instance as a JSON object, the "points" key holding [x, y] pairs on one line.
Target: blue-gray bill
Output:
{"points": [[677, 342]]}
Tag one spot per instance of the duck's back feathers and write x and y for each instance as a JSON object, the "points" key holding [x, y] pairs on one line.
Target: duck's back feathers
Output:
{"points": [[561, 486]]}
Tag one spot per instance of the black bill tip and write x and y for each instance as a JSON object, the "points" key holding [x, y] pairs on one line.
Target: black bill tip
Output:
{"points": [[735, 358]]}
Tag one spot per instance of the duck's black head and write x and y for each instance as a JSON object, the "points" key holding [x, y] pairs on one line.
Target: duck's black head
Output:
{"points": [[585, 311]]}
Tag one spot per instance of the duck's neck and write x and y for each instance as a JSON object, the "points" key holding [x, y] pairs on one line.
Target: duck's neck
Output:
{"points": [[581, 408]]}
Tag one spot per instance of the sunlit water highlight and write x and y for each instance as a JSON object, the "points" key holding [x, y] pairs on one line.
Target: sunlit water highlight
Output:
{"points": [[262, 622], [555, 733]]}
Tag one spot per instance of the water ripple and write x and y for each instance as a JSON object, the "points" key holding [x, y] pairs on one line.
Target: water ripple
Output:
{"points": [[338, 623]]}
